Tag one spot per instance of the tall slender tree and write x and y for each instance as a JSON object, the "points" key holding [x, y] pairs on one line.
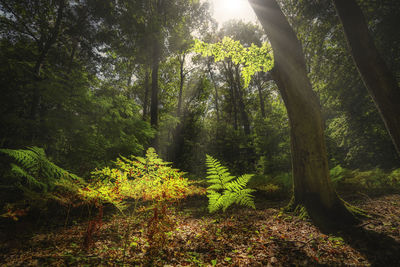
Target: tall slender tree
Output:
{"points": [[312, 184], [374, 72], [216, 97]]}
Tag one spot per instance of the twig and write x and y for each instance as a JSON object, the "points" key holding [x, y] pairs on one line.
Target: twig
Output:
{"points": [[66, 219], [305, 243], [364, 195], [364, 224], [65, 256]]}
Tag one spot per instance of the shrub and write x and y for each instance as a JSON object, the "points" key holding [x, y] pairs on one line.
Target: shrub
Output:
{"points": [[373, 181], [148, 179], [274, 186], [336, 174], [394, 178]]}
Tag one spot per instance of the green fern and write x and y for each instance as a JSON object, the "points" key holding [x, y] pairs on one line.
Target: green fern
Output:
{"points": [[34, 170], [37, 177], [224, 189]]}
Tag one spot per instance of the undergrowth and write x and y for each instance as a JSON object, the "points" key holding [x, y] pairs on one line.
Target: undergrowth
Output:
{"points": [[225, 189], [32, 181]]}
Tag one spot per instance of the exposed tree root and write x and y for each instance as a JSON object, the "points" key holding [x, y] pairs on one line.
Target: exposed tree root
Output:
{"points": [[359, 213], [340, 216], [298, 209]]}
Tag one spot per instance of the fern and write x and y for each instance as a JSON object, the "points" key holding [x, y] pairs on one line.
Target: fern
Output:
{"points": [[34, 170], [37, 178], [224, 190]]}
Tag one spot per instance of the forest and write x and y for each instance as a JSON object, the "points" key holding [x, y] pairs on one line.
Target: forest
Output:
{"points": [[192, 133]]}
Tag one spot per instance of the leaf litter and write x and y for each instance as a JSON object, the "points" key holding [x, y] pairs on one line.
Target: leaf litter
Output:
{"points": [[240, 237]]}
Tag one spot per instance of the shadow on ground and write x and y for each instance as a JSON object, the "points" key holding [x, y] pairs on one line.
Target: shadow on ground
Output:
{"points": [[379, 249]]}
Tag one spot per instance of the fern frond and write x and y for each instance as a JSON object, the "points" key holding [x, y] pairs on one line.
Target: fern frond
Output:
{"points": [[227, 199], [215, 201], [27, 159], [224, 190], [34, 174], [28, 179], [215, 187], [239, 183], [245, 198]]}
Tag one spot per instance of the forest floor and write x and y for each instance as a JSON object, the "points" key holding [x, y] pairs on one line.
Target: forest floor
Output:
{"points": [[240, 237]]}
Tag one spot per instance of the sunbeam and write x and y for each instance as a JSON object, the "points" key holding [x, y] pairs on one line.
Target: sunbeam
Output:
{"points": [[225, 10]]}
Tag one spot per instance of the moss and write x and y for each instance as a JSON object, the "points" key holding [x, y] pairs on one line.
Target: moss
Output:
{"points": [[338, 217], [359, 213], [291, 206]]}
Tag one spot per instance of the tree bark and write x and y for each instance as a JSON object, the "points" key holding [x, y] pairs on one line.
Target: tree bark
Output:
{"points": [[312, 184], [215, 88], [177, 137], [229, 79], [242, 107], [181, 82], [259, 84], [154, 84], [146, 93], [261, 98], [374, 72]]}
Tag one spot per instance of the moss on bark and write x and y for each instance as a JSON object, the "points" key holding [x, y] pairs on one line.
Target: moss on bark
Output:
{"points": [[339, 217]]}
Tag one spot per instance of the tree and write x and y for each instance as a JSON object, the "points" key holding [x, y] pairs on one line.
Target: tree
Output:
{"points": [[85, 114], [356, 136], [377, 77], [247, 34], [45, 35], [250, 59], [312, 185]]}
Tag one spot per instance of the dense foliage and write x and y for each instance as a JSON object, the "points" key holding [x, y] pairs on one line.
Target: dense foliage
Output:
{"points": [[254, 59], [147, 179]]}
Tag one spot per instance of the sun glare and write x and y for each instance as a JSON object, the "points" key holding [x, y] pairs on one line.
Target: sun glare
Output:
{"points": [[232, 9]]}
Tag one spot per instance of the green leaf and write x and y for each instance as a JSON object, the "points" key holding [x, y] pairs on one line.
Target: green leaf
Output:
{"points": [[252, 59]]}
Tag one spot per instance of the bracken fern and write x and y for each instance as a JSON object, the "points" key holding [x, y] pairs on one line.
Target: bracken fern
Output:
{"points": [[224, 189], [37, 178]]}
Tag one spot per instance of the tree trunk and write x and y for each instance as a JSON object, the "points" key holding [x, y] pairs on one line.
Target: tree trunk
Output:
{"points": [[154, 84], [177, 137], [260, 95], [312, 184], [242, 108], [146, 93], [231, 83], [374, 72], [215, 88], [181, 83]]}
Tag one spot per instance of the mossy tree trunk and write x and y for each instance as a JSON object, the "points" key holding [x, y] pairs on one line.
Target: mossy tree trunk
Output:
{"points": [[312, 185], [376, 76]]}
